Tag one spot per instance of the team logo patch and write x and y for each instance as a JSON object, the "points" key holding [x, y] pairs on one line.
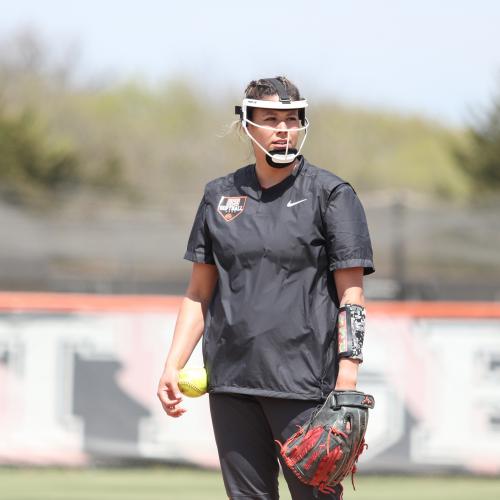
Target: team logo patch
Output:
{"points": [[231, 206]]}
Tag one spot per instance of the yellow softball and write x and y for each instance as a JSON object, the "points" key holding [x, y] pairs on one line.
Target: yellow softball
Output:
{"points": [[193, 381]]}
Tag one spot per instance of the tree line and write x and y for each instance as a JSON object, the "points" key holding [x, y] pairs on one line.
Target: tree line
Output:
{"points": [[151, 144]]}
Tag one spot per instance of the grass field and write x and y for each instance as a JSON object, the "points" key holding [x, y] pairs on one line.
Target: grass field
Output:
{"points": [[187, 484]]}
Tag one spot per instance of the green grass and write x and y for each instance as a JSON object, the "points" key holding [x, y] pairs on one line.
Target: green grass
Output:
{"points": [[186, 484]]}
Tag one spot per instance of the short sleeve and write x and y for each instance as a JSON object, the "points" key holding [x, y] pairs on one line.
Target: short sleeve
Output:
{"points": [[199, 247], [347, 237]]}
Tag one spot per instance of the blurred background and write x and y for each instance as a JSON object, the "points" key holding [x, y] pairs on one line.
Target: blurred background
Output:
{"points": [[114, 115]]}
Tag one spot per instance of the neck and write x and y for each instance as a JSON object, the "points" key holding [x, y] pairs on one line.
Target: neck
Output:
{"points": [[269, 176]]}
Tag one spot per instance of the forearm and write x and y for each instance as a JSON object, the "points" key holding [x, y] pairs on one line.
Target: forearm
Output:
{"points": [[188, 331], [353, 295]]}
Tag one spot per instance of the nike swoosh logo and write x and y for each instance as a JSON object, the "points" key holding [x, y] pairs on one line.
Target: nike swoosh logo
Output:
{"points": [[292, 203]]}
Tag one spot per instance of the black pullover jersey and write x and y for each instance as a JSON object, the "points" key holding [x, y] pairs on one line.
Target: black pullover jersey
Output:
{"points": [[270, 325]]}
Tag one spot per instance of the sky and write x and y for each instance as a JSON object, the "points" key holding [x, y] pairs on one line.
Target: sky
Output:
{"points": [[438, 58]]}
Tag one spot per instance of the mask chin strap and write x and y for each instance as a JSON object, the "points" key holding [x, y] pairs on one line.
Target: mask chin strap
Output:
{"points": [[273, 159]]}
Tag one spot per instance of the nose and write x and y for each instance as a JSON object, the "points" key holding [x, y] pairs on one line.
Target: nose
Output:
{"points": [[282, 125], [282, 128]]}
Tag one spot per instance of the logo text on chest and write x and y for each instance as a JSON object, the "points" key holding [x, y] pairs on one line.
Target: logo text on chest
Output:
{"points": [[231, 206]]}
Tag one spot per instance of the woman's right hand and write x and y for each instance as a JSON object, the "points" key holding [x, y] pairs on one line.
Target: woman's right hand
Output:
{"points": [[169, 393]]}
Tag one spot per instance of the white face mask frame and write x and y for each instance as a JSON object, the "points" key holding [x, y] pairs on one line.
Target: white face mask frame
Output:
{"points": [[255, 103]]}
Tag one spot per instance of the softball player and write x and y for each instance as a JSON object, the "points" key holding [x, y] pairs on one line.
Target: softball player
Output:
{"points": [[278, 248]]}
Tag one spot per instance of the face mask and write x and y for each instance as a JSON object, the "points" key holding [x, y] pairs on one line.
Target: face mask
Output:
{"points": [[282, 157]]}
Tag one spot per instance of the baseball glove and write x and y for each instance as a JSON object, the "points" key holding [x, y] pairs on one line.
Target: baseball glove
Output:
{"points": [[325, 450]]}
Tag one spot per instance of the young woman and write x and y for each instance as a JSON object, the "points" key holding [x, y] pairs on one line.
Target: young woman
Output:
{"points": [[278, 247]]}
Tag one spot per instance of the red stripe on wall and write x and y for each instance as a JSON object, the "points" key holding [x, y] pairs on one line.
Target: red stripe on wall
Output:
{"points": [[437, 309], [28, 301], [21, 301]]}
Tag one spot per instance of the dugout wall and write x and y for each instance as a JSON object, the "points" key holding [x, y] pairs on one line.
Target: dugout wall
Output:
{"points": [[78, 377]]}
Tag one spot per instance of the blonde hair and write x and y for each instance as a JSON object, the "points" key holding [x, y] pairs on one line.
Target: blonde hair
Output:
{"points": [[257, 89]]}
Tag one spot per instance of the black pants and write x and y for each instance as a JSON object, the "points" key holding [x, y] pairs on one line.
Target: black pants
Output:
{"points": [[245, 428]]}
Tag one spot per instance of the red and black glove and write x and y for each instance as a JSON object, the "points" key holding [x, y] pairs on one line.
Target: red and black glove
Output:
{"points": [[325, 450]]}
